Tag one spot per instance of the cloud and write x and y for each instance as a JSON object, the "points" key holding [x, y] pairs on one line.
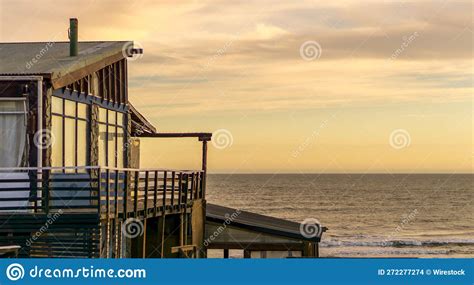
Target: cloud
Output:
{"points": [[237, 55]]}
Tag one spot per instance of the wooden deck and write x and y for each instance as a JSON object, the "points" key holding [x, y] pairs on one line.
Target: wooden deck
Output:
{"points": [[60, 214], [122, 192]]}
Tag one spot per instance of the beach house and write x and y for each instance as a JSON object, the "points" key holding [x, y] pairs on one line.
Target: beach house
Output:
{"points": [[70, 178]]}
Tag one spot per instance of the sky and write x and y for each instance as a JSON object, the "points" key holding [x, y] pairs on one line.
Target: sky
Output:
{"points": [[287, 86]]}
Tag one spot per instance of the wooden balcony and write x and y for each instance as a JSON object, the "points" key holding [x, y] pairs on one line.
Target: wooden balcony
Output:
{"points": [[78, 212], [108, 192]]}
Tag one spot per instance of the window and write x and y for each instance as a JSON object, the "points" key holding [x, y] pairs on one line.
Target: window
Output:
{"points": [[102, 145], [70, 129], [57, 146], [12, 132], [111, 138]]}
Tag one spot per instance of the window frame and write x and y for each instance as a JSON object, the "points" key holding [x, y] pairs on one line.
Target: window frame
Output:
{"points": [[115, 126], [63, 116], [15, 99]]}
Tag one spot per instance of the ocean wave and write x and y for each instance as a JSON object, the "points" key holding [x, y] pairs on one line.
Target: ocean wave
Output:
{"points": [[413, 252], [396, 243]]}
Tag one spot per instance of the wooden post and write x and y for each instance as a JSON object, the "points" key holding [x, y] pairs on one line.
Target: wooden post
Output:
{"points": [[165, 178], [116, 197], [155, 194], [310, 249], [116, 222], [180, 190], [125, 194], [144, 238], [162, 250], [181, 230], [247, 253], [172, 188], [306, 252], [145, 203], [107, 211], [163, 237], [135, 199], [204, 167]]}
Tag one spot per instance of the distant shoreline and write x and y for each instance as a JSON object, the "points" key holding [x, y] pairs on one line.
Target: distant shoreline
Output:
{"points": [[335, 173]]}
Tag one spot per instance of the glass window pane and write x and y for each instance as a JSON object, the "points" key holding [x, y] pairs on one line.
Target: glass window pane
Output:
{"points": [[95, 84], [120, 148], [111, 147], [82, 111], [57, 105], [70, 108], [111, 117], [120, 119], [57, 147], [12, 106], [102, 115], [70, 142], [82, 147], [12, 133], [102, 145]]}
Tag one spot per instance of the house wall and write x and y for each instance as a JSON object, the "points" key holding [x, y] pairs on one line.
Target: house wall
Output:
{"points": [[103, 89]]}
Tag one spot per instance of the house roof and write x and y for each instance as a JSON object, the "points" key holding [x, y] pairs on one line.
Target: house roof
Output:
{"points": [[140, 124], [257, 222], [52, 60]]}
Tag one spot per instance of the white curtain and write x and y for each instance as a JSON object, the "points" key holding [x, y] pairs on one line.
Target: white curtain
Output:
{"points": [[12, 132], [12, 149]]}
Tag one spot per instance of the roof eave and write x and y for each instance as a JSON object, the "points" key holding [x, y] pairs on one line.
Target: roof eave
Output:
{"points": [[59, 80], [266, 230]]}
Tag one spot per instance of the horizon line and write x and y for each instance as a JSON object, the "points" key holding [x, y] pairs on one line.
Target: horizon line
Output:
{"points": [[344, 173]]}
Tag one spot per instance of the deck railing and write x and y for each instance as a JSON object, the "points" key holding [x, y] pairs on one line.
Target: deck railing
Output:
{"points": [[107, 191]]}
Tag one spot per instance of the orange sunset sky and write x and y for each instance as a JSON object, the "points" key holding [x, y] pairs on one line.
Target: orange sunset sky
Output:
{"points": [[289, 86]]}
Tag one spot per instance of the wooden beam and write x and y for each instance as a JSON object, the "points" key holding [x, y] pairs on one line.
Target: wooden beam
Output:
{"points": [[200, 136], [69, 78], [9, 251], [185, 249], [257, 246]]}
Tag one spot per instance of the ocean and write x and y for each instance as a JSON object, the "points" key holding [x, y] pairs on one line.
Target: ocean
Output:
{"points": [[368, 215]]}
